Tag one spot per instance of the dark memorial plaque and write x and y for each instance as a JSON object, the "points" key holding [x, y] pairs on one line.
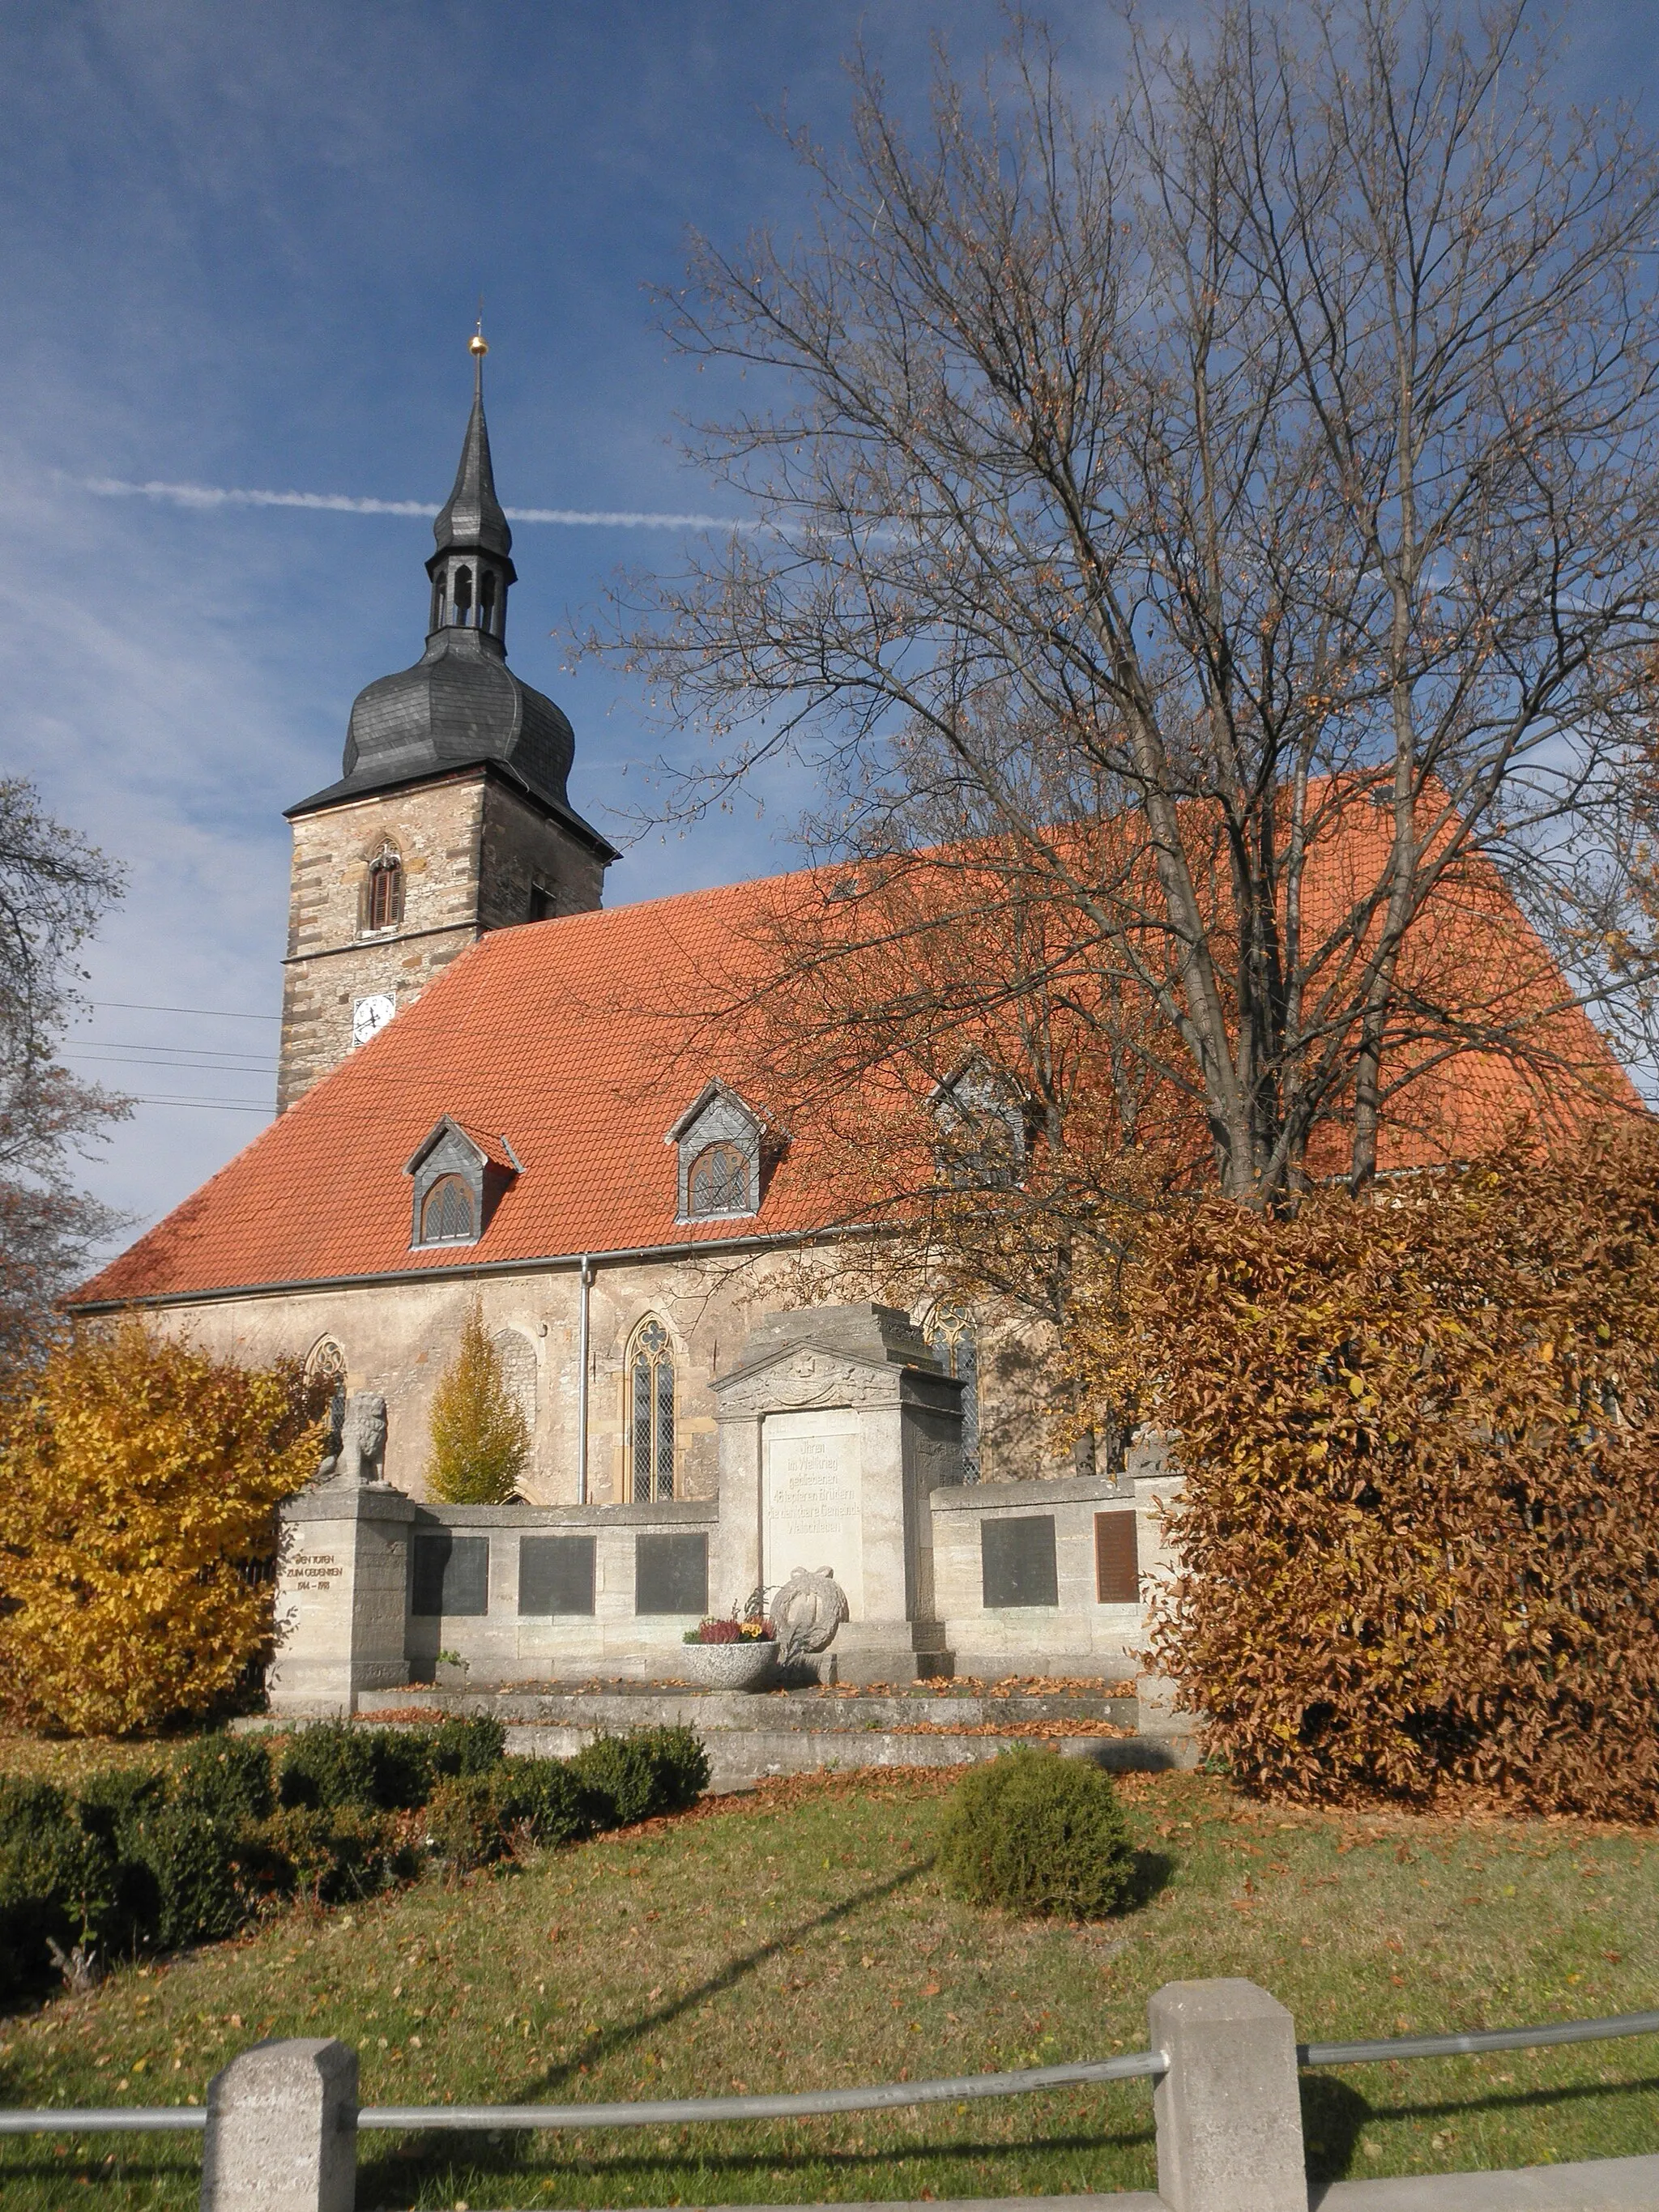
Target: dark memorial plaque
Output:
{"points": [[556, 1574], [448, 1575], [1117, 1562], [1016, 1561], [671, 1574]]}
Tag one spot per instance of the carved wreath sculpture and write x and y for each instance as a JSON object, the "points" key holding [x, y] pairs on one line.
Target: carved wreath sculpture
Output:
{"points": [[806, 1613]]}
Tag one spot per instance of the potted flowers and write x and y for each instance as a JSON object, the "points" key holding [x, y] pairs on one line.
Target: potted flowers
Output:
{"points": [[731, 1655]]}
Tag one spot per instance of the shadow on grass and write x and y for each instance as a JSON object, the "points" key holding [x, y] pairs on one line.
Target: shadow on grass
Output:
{"points": [[421, 2153], [1334, 2113], [88, 2167], [392, 2180], [1153, 1872], [420, 2156], [393, 2172]]}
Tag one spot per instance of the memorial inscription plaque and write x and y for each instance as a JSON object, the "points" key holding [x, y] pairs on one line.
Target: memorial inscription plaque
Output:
{"points": [[813, 1497]]}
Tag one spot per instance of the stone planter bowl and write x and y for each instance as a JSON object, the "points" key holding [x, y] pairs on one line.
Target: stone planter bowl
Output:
{"points": [[749, 1666]]}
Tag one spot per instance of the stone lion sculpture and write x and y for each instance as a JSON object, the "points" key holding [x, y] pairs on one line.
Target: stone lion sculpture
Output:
{"points": [[806, 1611], [357, 1452]]}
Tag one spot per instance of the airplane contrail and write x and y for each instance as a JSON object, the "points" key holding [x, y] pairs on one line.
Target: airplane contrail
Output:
{"points": [[339, 503]]}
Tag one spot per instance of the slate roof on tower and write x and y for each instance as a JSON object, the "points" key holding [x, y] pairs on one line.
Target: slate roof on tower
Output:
{"points": [[577, 1043], [461, 706]]}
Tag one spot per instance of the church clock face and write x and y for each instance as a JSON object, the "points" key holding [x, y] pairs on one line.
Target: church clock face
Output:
{"points": [[370, 1015]]}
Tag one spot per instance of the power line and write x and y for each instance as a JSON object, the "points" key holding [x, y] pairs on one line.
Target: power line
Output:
{"points": [[107, 1045], [220, 1064], [213, 1105], [215, 1013]]}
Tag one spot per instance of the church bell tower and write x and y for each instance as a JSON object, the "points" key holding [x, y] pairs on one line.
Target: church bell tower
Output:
{"points": [[450, 815]]}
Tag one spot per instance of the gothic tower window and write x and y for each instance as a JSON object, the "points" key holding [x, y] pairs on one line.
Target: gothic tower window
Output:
{"points": [[718, 1182], [383, 893], [650, 1413], [447, 1212]]}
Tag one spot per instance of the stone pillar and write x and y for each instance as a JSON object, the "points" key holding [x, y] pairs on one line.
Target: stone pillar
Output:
{"points": [[342, 1596], [835, 1424], [282, 2129], [1157, 1484], [1229, 2111]]}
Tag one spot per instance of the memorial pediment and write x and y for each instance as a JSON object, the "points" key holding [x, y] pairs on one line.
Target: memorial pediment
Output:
{"points": [[808, 1376], [853, 1355]]}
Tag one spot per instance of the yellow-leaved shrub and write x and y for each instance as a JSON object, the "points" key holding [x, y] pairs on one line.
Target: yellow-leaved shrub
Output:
{"points": [[480, 1438], [139, 1484]]}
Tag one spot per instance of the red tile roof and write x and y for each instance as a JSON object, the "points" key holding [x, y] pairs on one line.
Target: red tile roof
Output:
{"points": [[577, 1043]]}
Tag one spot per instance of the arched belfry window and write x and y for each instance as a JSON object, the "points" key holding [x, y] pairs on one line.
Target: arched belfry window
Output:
{"points": [[487, 599], [383, 893], [463, 595], [447, 1212], [650, 1413], [719, 1182]]}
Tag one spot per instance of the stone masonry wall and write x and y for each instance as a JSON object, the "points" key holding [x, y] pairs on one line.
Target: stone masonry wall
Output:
{"points": [[331, 963], [522, 849], [470, 851], [398, 1338]]}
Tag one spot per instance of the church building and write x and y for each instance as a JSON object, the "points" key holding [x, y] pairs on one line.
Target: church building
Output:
{"points": [[493, 1089]]}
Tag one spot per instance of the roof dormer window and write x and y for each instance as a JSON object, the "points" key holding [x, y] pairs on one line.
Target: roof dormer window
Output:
{"points": [[725, 1147], [981, 1137], [718, 1182], [447, 1212], [460, 1176]]}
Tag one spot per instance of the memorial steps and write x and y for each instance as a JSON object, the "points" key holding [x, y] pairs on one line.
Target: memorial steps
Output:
{"points": [[751, 1735]]}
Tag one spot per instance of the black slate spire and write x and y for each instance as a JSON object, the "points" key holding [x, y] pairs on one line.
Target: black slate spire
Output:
{"points": [[461, 706], [472, 520], [473, 567]]}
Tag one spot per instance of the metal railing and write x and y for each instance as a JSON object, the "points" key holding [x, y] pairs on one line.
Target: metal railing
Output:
{"points": [[887, 2096]]}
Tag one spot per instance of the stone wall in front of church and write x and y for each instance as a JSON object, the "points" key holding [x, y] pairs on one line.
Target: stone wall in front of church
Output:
{"points": [[398, 1339]]}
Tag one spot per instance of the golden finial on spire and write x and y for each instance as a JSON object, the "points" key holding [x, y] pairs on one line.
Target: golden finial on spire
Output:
{"points": [[477, 345]]}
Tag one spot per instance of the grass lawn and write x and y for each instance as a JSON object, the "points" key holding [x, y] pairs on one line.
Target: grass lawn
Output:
{"points": [[797, 1937]]}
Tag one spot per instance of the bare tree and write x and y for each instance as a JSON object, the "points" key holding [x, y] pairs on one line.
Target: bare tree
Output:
{"points": [[53, 887], [1267, 468]]}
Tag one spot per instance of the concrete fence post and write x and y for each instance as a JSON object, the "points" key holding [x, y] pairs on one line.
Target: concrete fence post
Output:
{"points": [[282, 2129], [1228, 2111]]}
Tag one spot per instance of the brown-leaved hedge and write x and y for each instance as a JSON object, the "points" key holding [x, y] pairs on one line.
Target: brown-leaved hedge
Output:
{"points": [[1420, 1534]]}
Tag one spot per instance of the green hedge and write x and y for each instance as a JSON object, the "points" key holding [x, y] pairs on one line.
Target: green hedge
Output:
{"points": [[156, 1859]]}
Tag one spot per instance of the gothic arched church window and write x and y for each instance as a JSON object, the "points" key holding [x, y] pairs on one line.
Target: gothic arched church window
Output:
{"points": [[719, 1182], [447, 1212], [650, 1413], [383, 895], [325, 1363], [956, 1343]]}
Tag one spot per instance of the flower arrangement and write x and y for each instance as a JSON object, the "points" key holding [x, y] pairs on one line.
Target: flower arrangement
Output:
{"points": [[747, 1630]]}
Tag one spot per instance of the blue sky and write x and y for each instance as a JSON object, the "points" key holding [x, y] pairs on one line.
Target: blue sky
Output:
{"points": [[244, 246]]}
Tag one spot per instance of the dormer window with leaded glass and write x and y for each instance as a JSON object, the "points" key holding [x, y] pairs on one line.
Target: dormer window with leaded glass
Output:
{"points": [[725, 1147]]}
